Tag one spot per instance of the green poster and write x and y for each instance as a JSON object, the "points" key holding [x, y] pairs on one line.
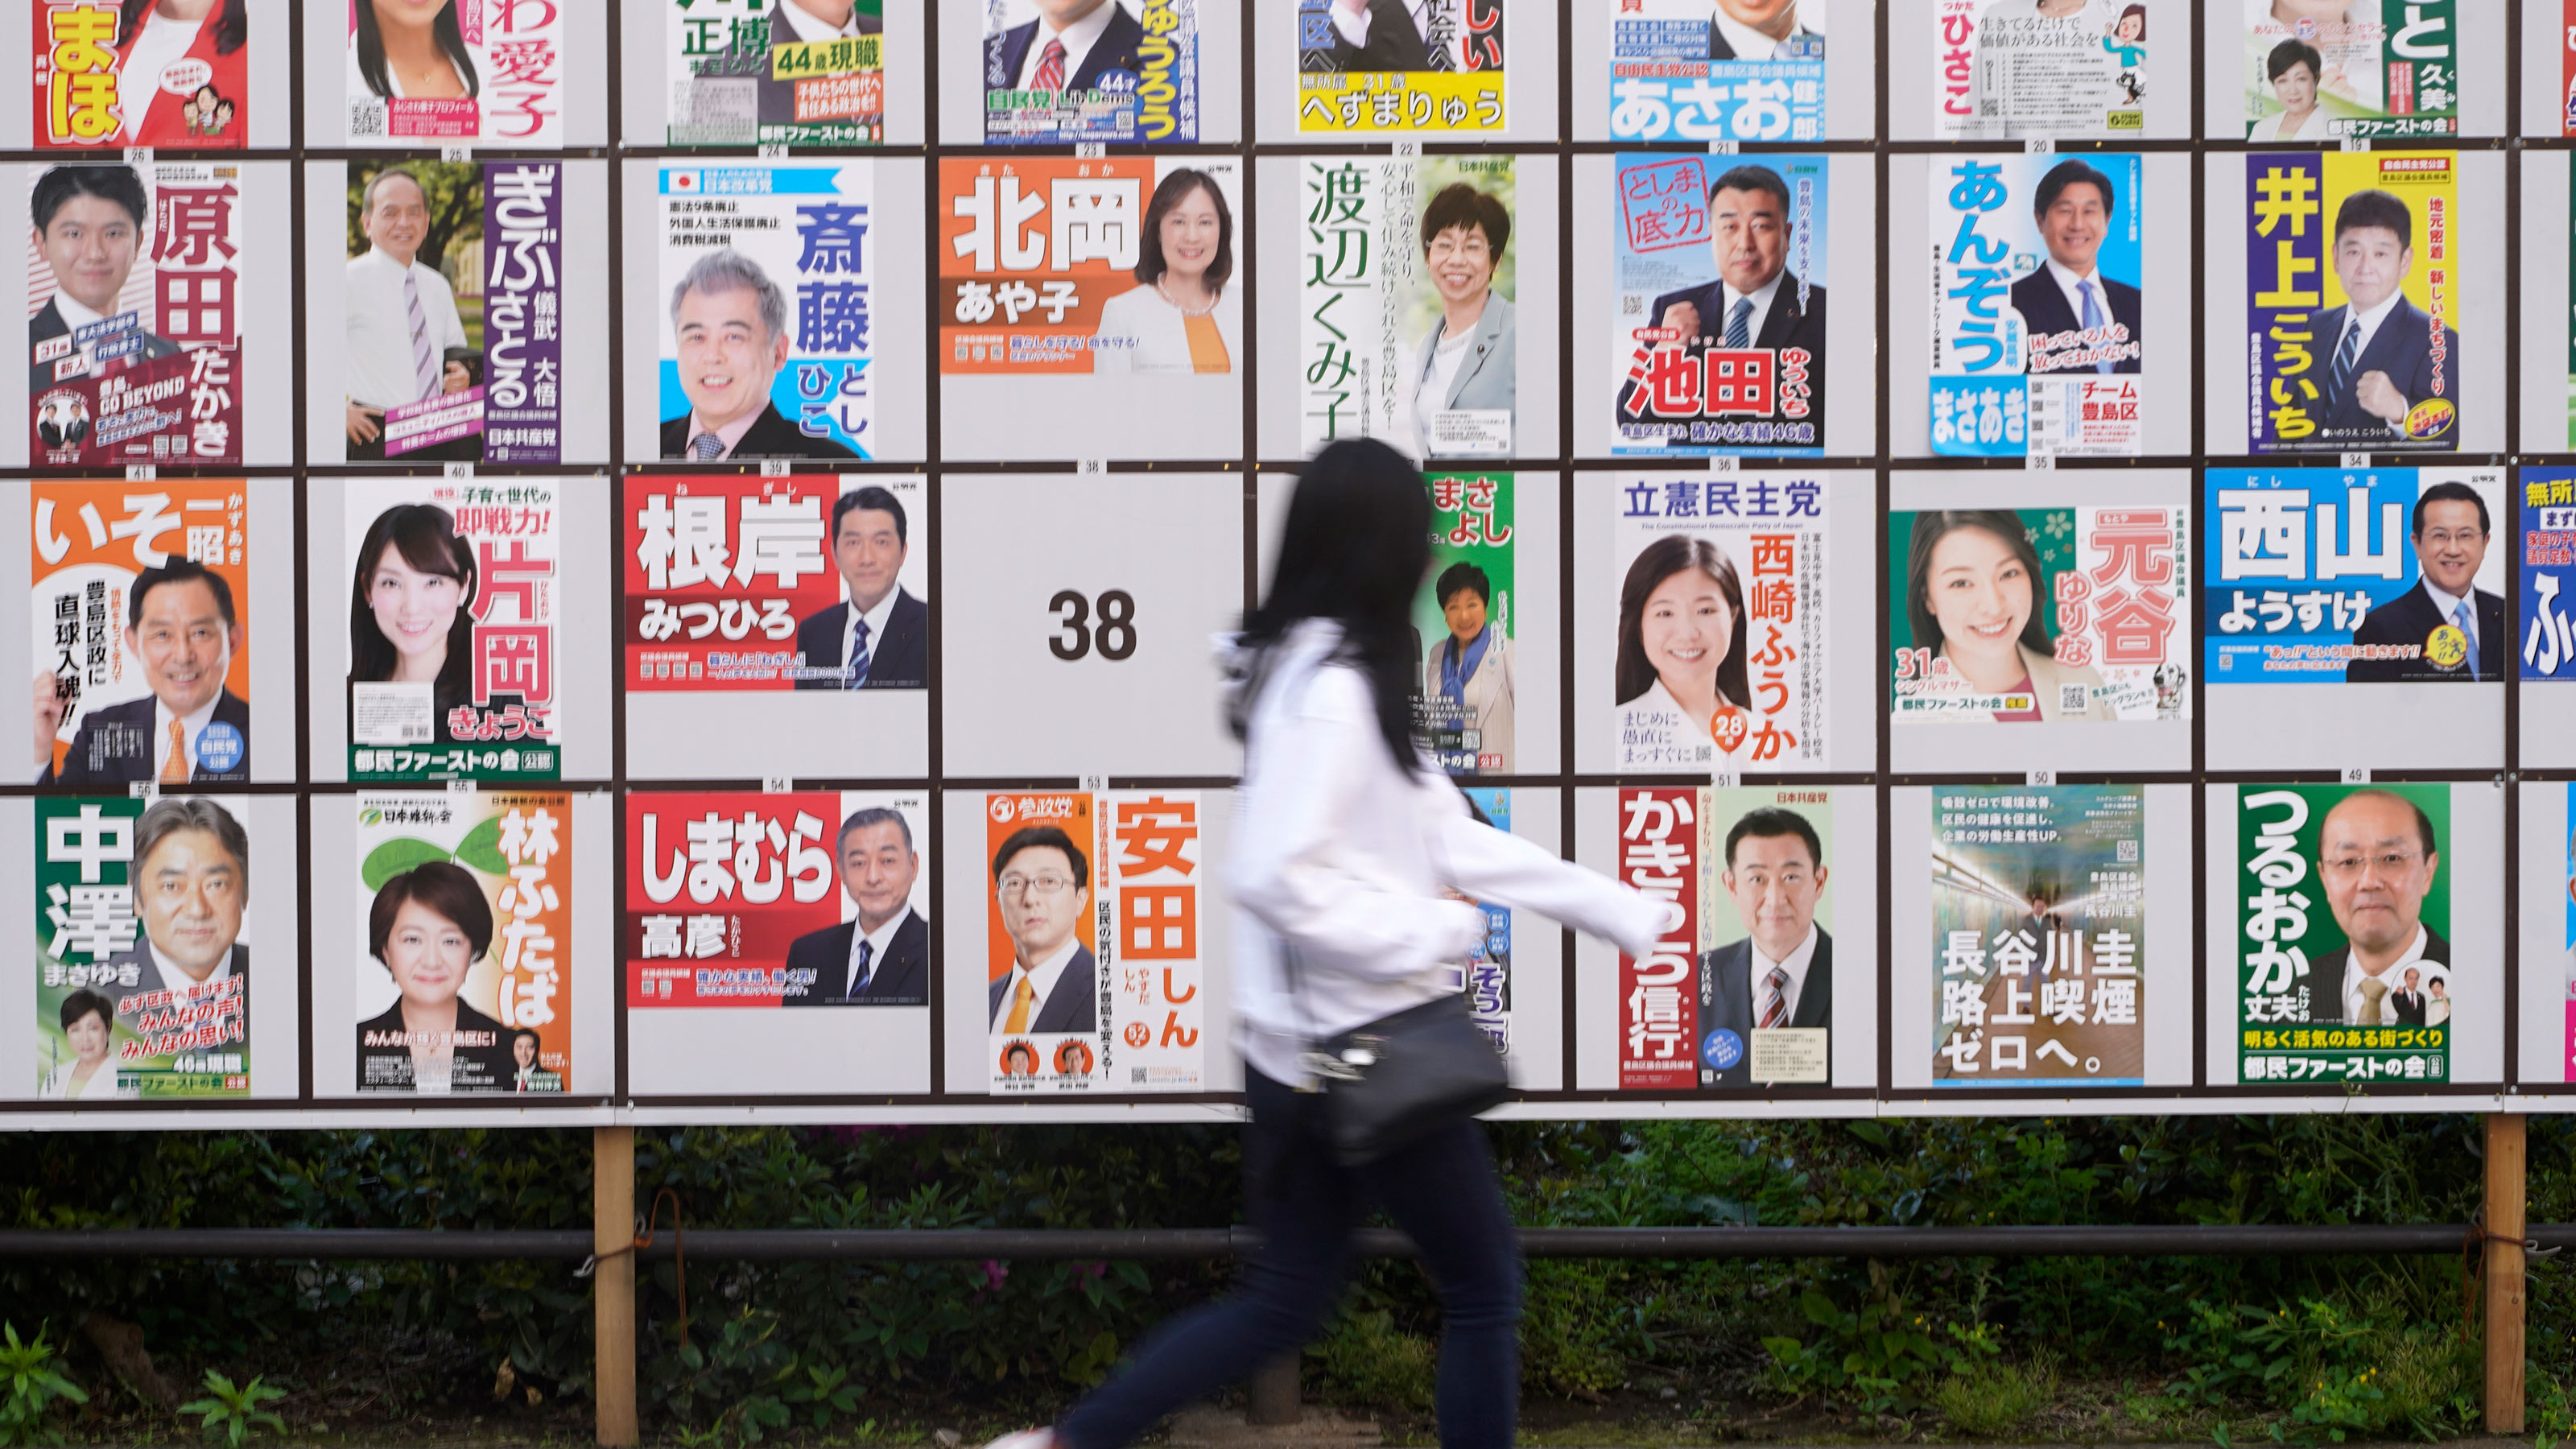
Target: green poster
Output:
{"points": [[1464, 621]]}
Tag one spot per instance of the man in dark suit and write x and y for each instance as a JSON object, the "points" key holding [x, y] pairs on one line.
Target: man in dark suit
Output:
{"points": [[2377, 856], [1781, 975], [1375, 35], [89, 222], [2408, 998], [191, 883], [2378, 347], [2458, 629], [1088, 38], [883, 957], [181, 631], [1044, 885], [2068, 294], [731, 323], [1756, 301], [879, 636], [1760, 30]]}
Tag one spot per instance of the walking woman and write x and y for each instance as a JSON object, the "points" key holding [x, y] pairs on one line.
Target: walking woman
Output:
{"points": [[1345, 837]]}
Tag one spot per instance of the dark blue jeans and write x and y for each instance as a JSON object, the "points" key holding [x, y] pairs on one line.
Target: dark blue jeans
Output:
{"points": [[1441, 1191]]}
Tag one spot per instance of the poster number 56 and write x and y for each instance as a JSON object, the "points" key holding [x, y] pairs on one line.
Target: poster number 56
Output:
{"points": [[1114, 636]]}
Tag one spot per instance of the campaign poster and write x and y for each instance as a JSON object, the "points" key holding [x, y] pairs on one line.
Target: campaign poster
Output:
{"points": [[464, 905], [2039, 929], [119, 73], [2005, 70], [765, 304], [1406, 328], [455, 592], [1720, 662], [1765, 1009], [1468, 686], [807, 898], [1485, 977], [494, 69], [741, 583], [453, 349], [2331, 70], [1427, 65], [1094, 976], [142, 962], [1682, 70], [1073, 267], [2038, 312], [140, 594], [2038, 615], [1731, 363], [1125, 72], [2567, 917], [133, 283], [2367, 575], [2548, 574], [783, 73], [2567, 67], [2350, 297], [2343, 902], [1662, 850]]}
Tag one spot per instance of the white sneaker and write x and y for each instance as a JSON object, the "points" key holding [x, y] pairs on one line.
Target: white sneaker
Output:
{"points": [[1025, 1439]]}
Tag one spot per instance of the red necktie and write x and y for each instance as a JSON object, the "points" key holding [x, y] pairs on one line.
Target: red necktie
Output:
{"points": [[1050, 75]]}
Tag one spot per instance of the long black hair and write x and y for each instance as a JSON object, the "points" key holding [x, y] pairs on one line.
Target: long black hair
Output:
{"points": [[232, 23], [425, 535], [1357, 544], [450, 37], [1673, 554]]}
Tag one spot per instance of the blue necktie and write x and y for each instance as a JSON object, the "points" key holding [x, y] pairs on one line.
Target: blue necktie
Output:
{"points": [[2460, 616], [858, 651], [867, 948], [2092, 319], [2346, 353], [1739, 323]]}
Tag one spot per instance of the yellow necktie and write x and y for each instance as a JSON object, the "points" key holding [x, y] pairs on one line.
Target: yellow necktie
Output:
{"points": [[176, 772], [1022, 1000]]}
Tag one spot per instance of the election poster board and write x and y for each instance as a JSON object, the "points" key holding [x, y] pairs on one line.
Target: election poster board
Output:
{"points": [[1467, 696], [784, 73], [806, 898], [455, 592], [1720, 660], [2546, 500], [103, 82], [123, 669], [497, 79], [1125, 73], [1680, 71], [2039, 933], [2004, 70], [1765, 1008], [2344, 968], [2322, 576], [133, 328], [142, 958], [2038, 307], [464, 941], [1435, 66], [2039, 615], [1407, 307], [736, 583], [2338, 244], [2380, 69], [1730, 364], [767, 351], [1485, 977]]}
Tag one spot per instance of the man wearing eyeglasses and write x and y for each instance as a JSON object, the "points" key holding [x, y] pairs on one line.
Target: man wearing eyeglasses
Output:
{"points": [[2376, 852], [2445, 627], [1044, 887]]}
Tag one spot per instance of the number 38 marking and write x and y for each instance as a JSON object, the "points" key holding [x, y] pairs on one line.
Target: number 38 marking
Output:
{"points": [[1116, 635]]}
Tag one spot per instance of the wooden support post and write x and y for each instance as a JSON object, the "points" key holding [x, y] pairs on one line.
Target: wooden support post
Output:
{"points": [[1274, 1391], [612, 1215], [2504, 1270]]}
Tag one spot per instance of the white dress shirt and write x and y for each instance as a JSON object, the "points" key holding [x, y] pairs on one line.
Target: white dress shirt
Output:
{"points": [[876, 942], [1041, 979], [2395, 976], [1076, 38], [2067, 280], [1751, 44], [177, 980], [77, 315], [2367, 324], [876, 621], [1761, 297], [808, 27], [191, 724], [353, 81], [379, 362], [2444, 603], [1800, 957], [139, 79]]}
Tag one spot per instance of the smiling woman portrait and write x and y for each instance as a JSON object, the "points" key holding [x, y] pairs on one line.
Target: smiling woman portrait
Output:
{"points": [[1974, 593], [1170, 321], [427, 928], [1681, 637], [409, 621]]}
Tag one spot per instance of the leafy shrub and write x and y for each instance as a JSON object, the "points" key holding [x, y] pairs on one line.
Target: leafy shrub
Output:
{"points": [[1372, 1362], [1985, 1398], [33, 1371]]}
